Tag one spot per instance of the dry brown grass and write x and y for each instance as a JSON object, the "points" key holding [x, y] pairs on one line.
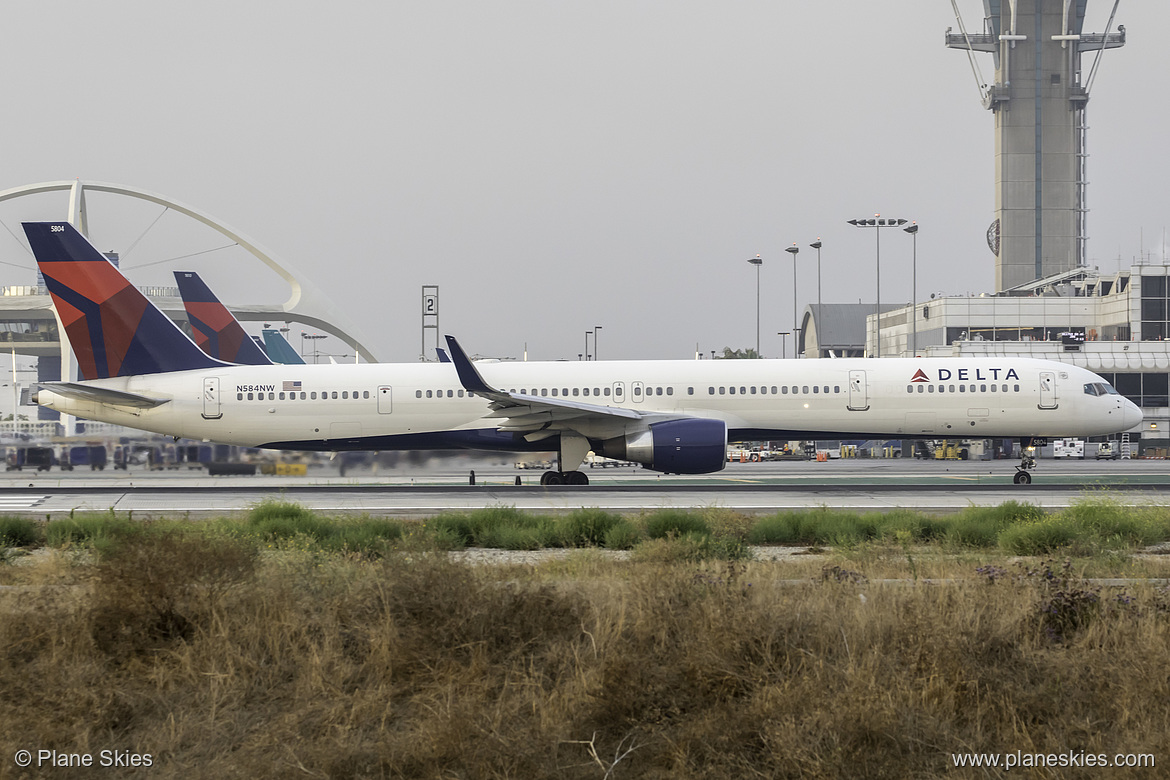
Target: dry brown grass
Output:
{"points": [[221, 665]]}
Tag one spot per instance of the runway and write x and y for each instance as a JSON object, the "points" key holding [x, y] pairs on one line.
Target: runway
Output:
{"points": [[434, 487]]}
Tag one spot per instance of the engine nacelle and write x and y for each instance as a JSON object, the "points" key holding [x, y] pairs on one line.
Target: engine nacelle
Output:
{"points": [[690, 446]]}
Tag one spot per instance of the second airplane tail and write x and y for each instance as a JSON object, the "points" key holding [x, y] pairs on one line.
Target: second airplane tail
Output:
{"points": [[217, 332], [113, 328]]}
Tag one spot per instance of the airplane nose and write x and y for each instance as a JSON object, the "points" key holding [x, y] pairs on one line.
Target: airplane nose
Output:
{"points": [[1131, 415]]}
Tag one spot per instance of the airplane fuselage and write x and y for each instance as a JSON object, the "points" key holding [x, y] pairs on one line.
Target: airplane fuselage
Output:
{"points": [[425, 406]]}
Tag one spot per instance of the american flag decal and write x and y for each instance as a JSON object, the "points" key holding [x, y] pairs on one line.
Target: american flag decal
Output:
{"points": [[292, 385]]}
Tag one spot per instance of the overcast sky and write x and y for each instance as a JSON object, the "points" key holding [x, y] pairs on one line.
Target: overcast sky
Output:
{"points": [[551, 165]]}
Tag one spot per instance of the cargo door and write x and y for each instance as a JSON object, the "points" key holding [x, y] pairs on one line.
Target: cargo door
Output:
{"points": [[1048, 390], [858, 392], [385, 399], [211, 407]]}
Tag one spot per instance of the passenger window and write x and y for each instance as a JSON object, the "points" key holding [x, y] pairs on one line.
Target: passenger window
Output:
{"points": [[428, 393], [585, 392], [983, 388], [271, 396], [952, 388], [972, 388], [836, 388], [816, 389], [461, 393], [773, 389], [753, 389], [554, 392], [565, 392], [805, 390], [930, 388], [1017, 388], [417, 394], [282, 396], [909, 388], [921, 389], [732, 390], [606, 392], [313, 395], [302, 395], [743, 390], [366, 393], [658, 391], [450, 394], [345, 394], [544, 392], [784, 390], [722, 390], [962, 388], [994, 388], [670, 391], [250, 396]]}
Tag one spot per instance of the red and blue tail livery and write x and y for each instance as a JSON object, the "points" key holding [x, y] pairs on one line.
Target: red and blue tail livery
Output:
{"points": [[216, 331], [113, 328]]}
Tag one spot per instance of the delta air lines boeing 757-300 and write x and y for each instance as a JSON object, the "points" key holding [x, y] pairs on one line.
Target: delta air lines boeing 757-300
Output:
{"points": [[675, 416]]}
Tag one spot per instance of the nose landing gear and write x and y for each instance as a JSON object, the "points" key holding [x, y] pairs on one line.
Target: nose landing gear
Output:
{"points": [[1027, 461]]}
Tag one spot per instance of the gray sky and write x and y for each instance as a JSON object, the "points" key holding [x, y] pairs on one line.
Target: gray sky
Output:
{"points": [[552, 165]]}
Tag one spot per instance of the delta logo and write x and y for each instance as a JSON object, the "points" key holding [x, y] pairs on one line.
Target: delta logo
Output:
{"points": [[969, 374]]}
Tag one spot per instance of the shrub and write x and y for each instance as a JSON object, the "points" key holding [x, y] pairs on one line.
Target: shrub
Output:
{"points": [[675, 522], [1038, 538], [622, 536], [284, 519], [584, 527], [18, 532], [87, 529]]}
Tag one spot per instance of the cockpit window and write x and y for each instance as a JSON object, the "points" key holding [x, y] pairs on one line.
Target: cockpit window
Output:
{"points": [[1099, 388]]}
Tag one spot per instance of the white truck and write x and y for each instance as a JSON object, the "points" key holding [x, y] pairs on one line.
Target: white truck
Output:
{"points": [[1068, 448]]}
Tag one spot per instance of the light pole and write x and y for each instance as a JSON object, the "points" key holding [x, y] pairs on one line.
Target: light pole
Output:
{"points": [[313, 337], [596, 330], [587, 334], [878, 222], [913, 231], [817, 246], [794, 250], [757, 262], [783, 334]]}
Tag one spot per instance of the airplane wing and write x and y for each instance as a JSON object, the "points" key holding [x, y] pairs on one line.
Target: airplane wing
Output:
{"points": [[102, 395], [529, 413]]}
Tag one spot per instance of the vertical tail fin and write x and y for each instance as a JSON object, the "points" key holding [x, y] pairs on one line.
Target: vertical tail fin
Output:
{"points": [[113, 328], [216, 331], [279, 350]]}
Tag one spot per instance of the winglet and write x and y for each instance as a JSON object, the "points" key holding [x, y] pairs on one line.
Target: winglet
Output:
{"points": [[468, 375], [443, 356]]}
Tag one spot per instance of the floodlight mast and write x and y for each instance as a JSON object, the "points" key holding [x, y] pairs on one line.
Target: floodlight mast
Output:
{"points": [[878, 222]]}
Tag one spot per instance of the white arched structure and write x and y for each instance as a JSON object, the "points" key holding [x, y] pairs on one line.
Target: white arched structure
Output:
{"points": [[305, 304]]}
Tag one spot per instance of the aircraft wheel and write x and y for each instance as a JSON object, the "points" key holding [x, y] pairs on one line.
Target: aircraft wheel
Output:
{"points": [[1022, 478], [576, 478], [552, 478]]}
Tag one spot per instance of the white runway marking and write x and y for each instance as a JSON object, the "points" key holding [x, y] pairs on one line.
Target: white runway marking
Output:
{"points": [[20, 502]]}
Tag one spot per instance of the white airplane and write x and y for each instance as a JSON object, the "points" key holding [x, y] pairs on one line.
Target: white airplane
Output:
{"points": [[674, 416]]}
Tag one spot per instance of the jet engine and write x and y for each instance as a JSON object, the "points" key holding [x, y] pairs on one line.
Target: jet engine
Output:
{"points": [[688, 446]]}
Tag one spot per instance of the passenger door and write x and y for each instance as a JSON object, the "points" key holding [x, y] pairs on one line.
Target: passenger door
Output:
{"points": [[1048, 390], [858, 392], [385, 400], [211, 407]]}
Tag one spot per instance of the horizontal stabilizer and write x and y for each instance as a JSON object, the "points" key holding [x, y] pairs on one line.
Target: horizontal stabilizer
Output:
{"points": [[102, 395]]}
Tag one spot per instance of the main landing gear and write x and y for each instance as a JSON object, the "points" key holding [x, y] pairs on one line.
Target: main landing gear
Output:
{"points": [[1027, 461], [576, 478]]}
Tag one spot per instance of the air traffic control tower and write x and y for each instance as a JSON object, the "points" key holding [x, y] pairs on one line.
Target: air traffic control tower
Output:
{"points": [[1038, 98]]}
